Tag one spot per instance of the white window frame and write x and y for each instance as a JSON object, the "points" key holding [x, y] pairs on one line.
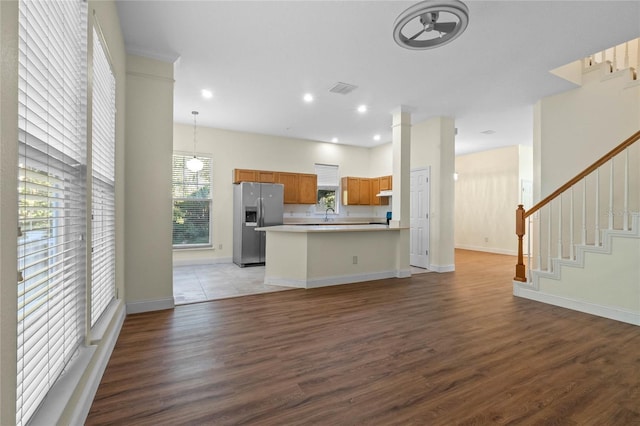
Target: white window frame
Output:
{"points": [[207, 160], [102, 153], [328, 179]]}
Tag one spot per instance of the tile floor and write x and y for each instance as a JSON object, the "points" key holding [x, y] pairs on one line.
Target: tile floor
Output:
{"points": [[199, 283]]}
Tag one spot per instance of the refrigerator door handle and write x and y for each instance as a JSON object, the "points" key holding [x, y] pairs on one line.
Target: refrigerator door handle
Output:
{"points": [[260, 212]]}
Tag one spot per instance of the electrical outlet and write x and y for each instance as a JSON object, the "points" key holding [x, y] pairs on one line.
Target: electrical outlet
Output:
{"points": [[219, 246], [355, 260], [486, 239]]}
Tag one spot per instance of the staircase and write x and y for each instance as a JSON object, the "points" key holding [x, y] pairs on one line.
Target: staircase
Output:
{"points": [[583, 240]]}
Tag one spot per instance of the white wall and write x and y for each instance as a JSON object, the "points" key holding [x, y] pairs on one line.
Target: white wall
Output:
{"points": [[232, 149], [575, 128], [432, 144], [381, 160], [487, 195], [149, 133]]}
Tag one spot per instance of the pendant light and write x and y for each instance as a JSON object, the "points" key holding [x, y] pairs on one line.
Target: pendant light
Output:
{"points": [[194, 164]]}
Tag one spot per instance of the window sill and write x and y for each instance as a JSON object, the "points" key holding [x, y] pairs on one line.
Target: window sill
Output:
{"points": [[194, 247]]}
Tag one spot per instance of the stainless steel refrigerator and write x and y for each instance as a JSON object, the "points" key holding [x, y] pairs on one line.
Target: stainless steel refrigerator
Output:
{"points": [[254, 205]]}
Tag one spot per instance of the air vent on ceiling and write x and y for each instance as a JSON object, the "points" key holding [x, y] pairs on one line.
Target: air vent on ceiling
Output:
{"points": [[343, 88], [488, 132]]}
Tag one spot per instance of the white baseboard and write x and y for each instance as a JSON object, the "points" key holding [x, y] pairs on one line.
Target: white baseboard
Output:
{"points": [[442, 268], [150, 305], [487, 249], [613, 313], [403, 273], [208, 261], [337, 280]]}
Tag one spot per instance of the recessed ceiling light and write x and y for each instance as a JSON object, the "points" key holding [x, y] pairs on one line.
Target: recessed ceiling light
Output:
{"points": [[362, 109], [488, 132], [376, 137], [334, 140], [308, 97], [207, 94]]}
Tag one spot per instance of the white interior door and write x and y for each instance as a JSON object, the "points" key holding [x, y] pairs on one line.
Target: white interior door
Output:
{"points": [[419, 218]]}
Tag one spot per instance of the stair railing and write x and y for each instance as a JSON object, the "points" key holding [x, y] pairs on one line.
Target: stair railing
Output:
{"points": [[588, 228], [618, 57]]}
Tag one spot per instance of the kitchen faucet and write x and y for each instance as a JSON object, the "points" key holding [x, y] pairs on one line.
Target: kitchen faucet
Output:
{"points": [[326, 213]]}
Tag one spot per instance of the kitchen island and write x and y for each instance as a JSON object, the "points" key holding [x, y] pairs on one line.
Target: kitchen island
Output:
{"points": [[309, 256]]}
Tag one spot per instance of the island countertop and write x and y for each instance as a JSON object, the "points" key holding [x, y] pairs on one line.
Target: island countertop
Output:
{"points": [[327, 228]]}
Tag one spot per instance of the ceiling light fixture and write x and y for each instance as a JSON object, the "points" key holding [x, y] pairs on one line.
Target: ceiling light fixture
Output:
{"points": [[207, 94], [362, 109], [334, 140], [194, 164], [376, 137], [430, 24], [308, 97]]}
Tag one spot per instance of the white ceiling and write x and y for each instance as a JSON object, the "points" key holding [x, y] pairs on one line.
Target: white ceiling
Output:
{"points": [[260, 57]]}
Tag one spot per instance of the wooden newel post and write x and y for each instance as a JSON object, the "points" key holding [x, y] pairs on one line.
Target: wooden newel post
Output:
{"points": [[521, 274]]}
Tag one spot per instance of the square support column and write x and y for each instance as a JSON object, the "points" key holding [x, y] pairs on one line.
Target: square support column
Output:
{"points": [[401, 146]]}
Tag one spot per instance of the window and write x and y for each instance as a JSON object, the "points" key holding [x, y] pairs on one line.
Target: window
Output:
{"points": [[191, 203], [52, 195], [103, 219], [328, 187]]}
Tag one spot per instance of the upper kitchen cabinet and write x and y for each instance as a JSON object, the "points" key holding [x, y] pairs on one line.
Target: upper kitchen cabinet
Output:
{"points": [[243, 175], [375, 190], [299, 188], [386, 183], [350, 191], [307, 188], [291, 184], [266, 177], [365, 192], [246, 175]]}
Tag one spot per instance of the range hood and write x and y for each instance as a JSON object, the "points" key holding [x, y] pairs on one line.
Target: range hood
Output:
{"points": [[387, 193]]}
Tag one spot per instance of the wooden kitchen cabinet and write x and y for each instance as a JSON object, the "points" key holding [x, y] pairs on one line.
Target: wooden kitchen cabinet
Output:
{"points": [[307, 188], [350, 191], [386, 183], [265, 177], [244, 175], [375, 188], [356, 191], [291, 186], [299, 188], [365, 191]]}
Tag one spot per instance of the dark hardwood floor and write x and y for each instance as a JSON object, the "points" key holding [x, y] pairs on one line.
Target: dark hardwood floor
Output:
{"points": [[433, 349]]}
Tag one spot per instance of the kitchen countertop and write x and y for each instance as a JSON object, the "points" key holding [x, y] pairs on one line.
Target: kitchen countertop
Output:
{"points": [[333, 227], [317, 222]]}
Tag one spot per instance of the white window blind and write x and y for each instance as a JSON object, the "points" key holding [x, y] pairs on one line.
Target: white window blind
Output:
{"points": [[103, 121], [328, 188], [327, 175], [52, 205], [191, 202]]}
